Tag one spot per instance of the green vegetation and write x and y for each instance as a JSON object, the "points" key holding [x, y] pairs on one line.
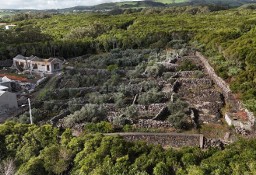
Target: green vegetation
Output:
{"points": [[171, 1], [125, 76], [227, 37], [30, 149]]}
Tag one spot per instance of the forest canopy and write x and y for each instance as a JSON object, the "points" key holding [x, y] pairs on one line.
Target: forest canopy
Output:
{"points": [[30, 149]]}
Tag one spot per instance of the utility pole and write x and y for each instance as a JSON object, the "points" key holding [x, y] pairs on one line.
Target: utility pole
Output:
{"points": [[30, 113]]}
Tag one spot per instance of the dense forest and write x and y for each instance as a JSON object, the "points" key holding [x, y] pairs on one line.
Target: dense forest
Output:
{"points": [[31, 149]]}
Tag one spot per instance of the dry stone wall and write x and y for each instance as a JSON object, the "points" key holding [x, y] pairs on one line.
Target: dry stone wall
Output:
{"points": [[235, 104], [165, 139], [149, 123], [219, 81]]}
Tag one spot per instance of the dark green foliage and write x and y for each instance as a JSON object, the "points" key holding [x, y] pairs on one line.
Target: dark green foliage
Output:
{"points": [[178, 114], [45, 150], [187, 65], [151, 96], [88, 113], [102, 127]]}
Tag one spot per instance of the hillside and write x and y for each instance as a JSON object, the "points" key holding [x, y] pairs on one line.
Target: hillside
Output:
{"points": [[133, 69], [130, 5], [220, 34]]}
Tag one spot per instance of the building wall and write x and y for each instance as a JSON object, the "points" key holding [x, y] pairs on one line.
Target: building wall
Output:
{"points": [[41, 66], [19, 62], [8, 99], [52, 66]]}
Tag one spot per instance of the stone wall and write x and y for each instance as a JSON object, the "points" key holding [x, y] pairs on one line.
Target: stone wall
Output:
{"points": [[165, 139], [202, 83], [182, 74], [142, 110], [149, 123], [229, 97], [219, 81]]}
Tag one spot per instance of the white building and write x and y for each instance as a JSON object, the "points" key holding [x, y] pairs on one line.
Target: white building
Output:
{"points": [[11, 85], [8, 27], [6, 83], [35, 64]]}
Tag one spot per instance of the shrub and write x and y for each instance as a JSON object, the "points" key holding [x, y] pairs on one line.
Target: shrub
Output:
{"points": [[155, 70], [187, 65], [152, 96], [102, 127], [178, 116], [88, 113], [131, 111]]}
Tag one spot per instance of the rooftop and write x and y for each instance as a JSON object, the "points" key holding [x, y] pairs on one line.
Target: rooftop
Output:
{"points": [[14, 77], [3, 88], [34, 58]]}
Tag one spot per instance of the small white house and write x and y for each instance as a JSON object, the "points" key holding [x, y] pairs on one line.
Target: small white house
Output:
{"points": [[36, 64], [8, 27]]}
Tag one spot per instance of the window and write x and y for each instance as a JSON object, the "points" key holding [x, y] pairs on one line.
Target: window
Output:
{"points": [[22, 65], [34, 66], [56, 66]]}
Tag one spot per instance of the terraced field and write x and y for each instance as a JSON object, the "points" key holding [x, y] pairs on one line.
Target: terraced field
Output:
{"points": [[143, 89]]}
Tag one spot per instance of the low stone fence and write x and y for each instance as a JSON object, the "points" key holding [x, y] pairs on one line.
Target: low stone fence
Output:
{"points": [[219, 81], [203, 83], [235, 104], [165, 139], [182, 74], [142, 110], [90, 71], [209, 95], [149, 123]]}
